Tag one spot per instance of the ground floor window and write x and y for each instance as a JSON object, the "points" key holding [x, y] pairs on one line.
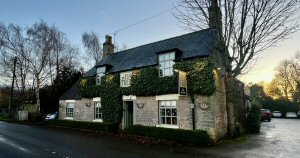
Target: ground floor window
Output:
{"points": [[168, 112], [70, 110], [98, 111]]}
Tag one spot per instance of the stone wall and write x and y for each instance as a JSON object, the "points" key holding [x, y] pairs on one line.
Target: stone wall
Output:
{"points": [[81, 111], [148, 115]]}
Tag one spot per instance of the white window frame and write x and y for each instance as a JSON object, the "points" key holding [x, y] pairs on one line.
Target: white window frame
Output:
{"points": [[97, 111], [70, 110], [125, 79], [166, 62], [164, 106], [100, 73]]}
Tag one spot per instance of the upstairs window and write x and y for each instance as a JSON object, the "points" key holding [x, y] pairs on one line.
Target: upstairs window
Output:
{"points": [[125, 78], [166, 62], [100, 73]]}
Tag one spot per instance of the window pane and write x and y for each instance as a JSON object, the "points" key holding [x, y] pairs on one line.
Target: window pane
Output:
{"points": [[168, 120], [162, 120], [174, 112], [172, 56], [163, 103], [168, 103], [173, 103], [161, 57], [167, 56], [168, 112], [174, 121], [167, 64], [162, 112]]}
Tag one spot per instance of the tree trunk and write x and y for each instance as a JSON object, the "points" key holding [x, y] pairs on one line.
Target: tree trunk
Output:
{"points": [[229, 81], [37, 92]]}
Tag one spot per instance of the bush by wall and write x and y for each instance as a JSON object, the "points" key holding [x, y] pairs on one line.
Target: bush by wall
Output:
{"points": [[198, 137], [253, 120], [105, 127]]}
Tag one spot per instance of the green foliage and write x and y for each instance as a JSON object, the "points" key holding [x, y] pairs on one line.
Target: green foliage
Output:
{"points": [[4, 117], [200, 76], [88, 87], [198, 137], [146, 82], [105, 127], [111, 98], [280, 105], [253, 120]]}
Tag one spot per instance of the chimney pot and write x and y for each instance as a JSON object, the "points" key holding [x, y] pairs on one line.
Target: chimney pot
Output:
{"points": [[108, 47]]}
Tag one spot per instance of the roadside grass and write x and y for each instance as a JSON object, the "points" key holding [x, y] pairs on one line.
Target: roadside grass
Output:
{"points": [[4, 118]]}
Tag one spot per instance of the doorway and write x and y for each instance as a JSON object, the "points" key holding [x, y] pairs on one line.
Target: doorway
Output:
{"points": [[128, 114]]}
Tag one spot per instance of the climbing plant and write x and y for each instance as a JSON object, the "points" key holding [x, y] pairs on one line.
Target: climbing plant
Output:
{"points": [[200, 76], [146, 82], [111, 98]]}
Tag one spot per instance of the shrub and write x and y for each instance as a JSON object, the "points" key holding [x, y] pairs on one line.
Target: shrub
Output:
{"points": [[105, 127], [253, 120], [198, 137]]}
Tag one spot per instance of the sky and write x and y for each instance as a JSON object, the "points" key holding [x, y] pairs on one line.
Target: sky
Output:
{"points": [[74, 17]]}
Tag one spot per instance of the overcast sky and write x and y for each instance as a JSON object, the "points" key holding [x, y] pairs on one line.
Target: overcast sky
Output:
{"points": [[74, 17]]}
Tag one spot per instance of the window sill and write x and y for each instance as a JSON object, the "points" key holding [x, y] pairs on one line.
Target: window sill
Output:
{"points": [[98, 120], [168, 126], [68, 118]]}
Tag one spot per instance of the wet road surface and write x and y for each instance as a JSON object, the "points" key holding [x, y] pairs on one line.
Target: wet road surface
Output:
{"points": [[279, 138], [21, 141]]}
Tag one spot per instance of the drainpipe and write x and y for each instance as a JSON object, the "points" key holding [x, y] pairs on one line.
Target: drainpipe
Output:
{"points": [[193, 115]]}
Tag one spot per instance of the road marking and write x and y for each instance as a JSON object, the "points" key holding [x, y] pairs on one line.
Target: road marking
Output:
{"points": [[5, 141]]}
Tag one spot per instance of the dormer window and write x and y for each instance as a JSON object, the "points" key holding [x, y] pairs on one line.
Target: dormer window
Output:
{"points": [[166, 62], [100, 73]]}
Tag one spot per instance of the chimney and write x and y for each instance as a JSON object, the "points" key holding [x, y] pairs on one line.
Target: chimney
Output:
{"points": [[215, 16], [108, 47]]}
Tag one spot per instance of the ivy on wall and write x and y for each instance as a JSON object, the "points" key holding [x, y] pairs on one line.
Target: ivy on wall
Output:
{"points": [[200, 76], [146, 82], [111, 98], [88, 88]]}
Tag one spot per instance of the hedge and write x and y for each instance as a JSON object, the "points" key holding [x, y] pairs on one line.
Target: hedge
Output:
{"points": [[105, 127], [198, 137], [253, 123]]}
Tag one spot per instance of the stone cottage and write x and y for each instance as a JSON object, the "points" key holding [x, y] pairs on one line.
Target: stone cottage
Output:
{"points": [[174, 83], [170, 110]]}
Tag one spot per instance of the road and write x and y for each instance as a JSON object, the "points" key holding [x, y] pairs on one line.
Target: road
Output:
{"points": [[278, 138], [22, 141]]}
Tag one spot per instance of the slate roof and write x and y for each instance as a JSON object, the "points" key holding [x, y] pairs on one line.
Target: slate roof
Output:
{"points": [[192, 45], [71, 93], [91, 72]]}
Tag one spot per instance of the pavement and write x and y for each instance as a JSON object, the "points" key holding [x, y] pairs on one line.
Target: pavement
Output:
{"points": [[278, 138]]}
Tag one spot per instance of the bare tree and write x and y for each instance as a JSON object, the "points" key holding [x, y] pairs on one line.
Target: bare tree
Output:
{"points": [[248, 27], [92, 45], [42, 39], [13, 43]]}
